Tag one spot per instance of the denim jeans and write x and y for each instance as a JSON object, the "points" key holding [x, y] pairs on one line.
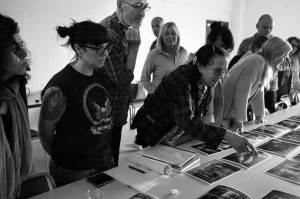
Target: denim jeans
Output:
{"points": [[64, 176]]}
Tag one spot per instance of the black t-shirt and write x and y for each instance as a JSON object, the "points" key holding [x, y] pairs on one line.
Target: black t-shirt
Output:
{"points": [[83, 133]]}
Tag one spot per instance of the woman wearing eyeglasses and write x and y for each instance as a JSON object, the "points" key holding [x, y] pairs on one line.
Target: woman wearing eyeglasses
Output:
{"points": [[16, 161], [180, 101], [76, 114], [247, 80]]}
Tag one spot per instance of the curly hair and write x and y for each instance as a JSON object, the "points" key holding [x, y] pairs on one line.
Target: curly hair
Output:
{"points": [[8, 28]]}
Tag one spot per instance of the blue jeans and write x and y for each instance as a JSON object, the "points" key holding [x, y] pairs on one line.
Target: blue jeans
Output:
{"points": [[64, 176]]}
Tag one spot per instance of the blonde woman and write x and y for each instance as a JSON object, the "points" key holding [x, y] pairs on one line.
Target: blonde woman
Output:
{"points": [[165, 58], [246, 82]]}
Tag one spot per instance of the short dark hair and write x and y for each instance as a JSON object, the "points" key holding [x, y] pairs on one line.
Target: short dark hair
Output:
{"points": [[207, 52], [82, 33], [217, 29], [258, 42], [290, 39]]}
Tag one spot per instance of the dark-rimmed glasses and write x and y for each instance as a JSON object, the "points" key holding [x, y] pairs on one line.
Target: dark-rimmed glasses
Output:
{"points": [[100, 50], [219, 71], [139, 6]]}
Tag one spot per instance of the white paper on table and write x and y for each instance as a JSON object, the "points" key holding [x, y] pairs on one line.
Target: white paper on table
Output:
{"points": [[141, 181]]}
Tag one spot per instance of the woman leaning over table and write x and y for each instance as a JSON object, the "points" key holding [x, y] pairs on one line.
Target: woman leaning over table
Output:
{"points": [[181, 100], [76, 113], [16, 161], [247, 80], [165, 58]]}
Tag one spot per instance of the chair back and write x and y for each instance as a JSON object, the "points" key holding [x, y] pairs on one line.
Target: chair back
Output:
{"points": [[36, 184]]}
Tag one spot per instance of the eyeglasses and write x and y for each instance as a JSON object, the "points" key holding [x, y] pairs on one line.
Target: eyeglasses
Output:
{"points": [[100, 50], [139, 6], [219, 71]]}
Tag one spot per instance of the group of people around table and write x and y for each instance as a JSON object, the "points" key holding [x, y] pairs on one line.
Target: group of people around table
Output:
{"points": [[85, 105]]}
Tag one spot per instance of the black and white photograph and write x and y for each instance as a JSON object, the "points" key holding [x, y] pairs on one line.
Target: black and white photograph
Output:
{"points": [[294, 118], [224, 146], [288, 124], [276, 194], [279, 147], [247, 160], [224, 192], [254, 137], [296, 157], [287, 170], [202, 149], [213, 171], [271, 130], [186, 85], [143, 196], [293, 136]]}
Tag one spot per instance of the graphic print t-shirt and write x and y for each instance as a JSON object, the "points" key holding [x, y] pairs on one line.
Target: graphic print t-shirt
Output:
{"points": [[84, 132]]}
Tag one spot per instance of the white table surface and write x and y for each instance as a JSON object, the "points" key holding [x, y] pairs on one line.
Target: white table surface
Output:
{"points": [[254, 182]]}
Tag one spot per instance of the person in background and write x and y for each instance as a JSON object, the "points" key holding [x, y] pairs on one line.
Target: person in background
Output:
{"points": [[264, 26], [218, 35], [165, 58], [156, 24], [124, 35], [181, 100], [76, 115], [16, 160], [255, 47], [222, 36], [246, 82], [288, 76]]}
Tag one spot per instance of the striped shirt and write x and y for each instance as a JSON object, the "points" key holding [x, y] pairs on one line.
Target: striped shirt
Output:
{"points": [[245, 45]]}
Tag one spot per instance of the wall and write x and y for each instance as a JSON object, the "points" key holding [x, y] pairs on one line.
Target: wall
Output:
{"points": [[284, 13], [38, 19]]}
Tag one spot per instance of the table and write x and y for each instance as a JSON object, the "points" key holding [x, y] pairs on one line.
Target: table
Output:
{"points": [[254, 182]]}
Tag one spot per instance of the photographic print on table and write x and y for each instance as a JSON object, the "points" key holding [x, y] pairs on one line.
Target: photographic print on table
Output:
{"points": [[288, 124], [143, 196], [213, 171], [279, 147], [296, 157], [270, 130], [173, 156], [202, 149], [292, 136], [223, 192], [247, 160], [254, 137], [287, 170], [294, 118], [280, 195], [224, 146]]}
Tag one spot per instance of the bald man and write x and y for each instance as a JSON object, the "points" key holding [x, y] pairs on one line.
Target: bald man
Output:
{"points": [[264, 27], [156, 24]]}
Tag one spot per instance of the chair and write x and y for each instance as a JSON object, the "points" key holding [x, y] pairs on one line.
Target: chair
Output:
{"points": [[36, 184], [133, 105]]}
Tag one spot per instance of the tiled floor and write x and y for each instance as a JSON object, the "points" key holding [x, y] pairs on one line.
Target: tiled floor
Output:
{"points": [[41, 159]]}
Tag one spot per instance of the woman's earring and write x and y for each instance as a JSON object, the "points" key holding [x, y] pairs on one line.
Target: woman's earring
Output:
{"points": [[195, 60]]}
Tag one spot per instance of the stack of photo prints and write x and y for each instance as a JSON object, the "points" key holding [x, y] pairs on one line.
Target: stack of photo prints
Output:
{"points": [[282, 138], [225, 192]]}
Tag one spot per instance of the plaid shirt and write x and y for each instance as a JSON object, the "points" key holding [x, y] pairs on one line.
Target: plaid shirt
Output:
{"points": [[175, 102], [115, 68]]}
